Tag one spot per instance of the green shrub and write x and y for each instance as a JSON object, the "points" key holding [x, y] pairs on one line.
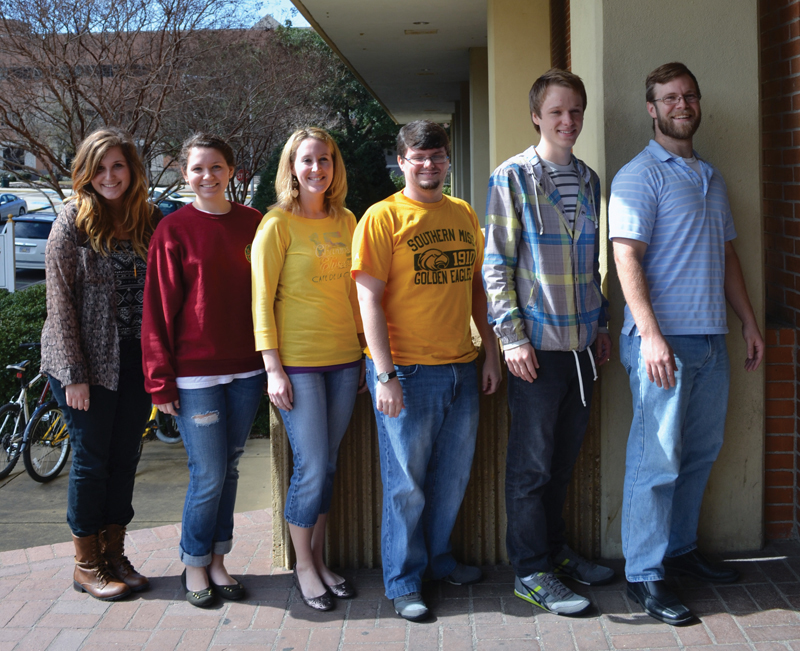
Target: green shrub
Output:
{"points": [[21, 318]]}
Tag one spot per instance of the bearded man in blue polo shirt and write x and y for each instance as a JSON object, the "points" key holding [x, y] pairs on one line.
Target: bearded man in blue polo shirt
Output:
{"points": [[672, 228]]}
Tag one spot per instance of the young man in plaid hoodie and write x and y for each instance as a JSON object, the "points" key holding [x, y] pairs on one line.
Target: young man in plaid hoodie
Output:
{"points": [[542, 278]]}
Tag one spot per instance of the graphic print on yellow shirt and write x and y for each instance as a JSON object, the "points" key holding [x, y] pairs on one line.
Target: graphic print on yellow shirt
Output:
{"points": [[304, 301], [428, 255]]}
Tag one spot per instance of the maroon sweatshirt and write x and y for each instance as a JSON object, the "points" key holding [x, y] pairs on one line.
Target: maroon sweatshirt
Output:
{"points": [[197, 315]]}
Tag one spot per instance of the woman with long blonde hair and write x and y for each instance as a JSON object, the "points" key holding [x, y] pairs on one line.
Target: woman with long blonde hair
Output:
{"points": [[95, 261], [308, 329]]}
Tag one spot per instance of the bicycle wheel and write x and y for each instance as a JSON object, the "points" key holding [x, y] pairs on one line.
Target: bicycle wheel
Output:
{"points": [[11, 429], [46, 446], [167, 428]]}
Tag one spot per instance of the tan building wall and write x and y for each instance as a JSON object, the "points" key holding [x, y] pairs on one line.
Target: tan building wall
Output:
{"points": [[614, 46]]}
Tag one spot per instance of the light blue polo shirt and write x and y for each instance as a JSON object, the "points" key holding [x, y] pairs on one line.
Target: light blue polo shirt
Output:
{"points": [[685, 220]]}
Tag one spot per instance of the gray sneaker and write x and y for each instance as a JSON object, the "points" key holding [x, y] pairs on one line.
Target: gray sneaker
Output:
{"points": [[569, 563], [464, 575], [543, 589], [410, 606]]}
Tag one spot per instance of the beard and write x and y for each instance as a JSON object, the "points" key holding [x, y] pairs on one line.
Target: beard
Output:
{"points": [[678, 131], [429, 184]]}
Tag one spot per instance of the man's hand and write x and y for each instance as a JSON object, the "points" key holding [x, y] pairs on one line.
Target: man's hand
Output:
{"points": [[389, 398], [659, 360], [755, 346], [602, 346], [491, 373], [522, 362]]}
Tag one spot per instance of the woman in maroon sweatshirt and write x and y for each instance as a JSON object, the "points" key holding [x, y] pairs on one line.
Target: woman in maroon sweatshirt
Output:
{"points": [[200, 359]]}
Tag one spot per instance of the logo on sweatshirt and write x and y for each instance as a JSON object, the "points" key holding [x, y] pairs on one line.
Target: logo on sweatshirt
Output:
{"points": [[247, 251]]}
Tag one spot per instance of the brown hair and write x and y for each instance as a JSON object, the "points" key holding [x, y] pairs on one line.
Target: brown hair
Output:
{"points": [[337, 190], [94, 217], [206, 141], [665, 74], [557, 77], [422, 134]]}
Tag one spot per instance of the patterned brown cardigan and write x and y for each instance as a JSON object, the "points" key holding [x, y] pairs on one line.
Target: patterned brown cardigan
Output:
{"points": [[79, 339]]}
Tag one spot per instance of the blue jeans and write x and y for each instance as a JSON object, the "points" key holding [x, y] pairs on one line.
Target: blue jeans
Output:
{"points": [[321, 410], [675, 437], [105, 451], [214, 423], [548, 423], [426, 457]]}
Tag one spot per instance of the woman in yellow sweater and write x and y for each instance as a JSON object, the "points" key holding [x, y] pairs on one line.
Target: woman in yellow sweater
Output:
{"points": [[308, 329]]}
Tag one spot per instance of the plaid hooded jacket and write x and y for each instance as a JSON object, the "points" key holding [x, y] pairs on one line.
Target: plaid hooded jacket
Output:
{"points": [[542, 279]]}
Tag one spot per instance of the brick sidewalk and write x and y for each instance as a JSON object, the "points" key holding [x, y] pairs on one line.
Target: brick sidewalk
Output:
{"points": [[40, 610]]}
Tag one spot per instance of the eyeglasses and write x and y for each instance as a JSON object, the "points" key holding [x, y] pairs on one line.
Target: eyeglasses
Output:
{"points": [[438, 159], [672, 100]]}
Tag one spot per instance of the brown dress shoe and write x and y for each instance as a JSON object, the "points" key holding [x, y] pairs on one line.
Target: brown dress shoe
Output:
{"points": [[112, 546], [91, 573]]}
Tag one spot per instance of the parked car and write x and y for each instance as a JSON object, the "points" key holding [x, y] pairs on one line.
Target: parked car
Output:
{"points": [[170, 205], [11, 204], [30, 238]]}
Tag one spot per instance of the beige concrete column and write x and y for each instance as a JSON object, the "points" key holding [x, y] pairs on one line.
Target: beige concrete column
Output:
{"points": [[614, 46], [518, 40], [462, 164], [479, 129]]}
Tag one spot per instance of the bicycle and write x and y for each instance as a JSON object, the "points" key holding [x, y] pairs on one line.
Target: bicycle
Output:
{"points": [[16, 415], [164, 426], [45, 443]]}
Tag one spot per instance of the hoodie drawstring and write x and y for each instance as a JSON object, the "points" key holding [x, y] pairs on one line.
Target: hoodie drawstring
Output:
{"points": [[580, 375]]}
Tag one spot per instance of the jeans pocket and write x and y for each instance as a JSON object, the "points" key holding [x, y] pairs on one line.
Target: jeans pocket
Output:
{"points": [[625, 346], [406, 371]]}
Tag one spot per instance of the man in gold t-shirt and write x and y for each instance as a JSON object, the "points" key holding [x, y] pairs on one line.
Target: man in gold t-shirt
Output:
{"points": [[416, 262]]}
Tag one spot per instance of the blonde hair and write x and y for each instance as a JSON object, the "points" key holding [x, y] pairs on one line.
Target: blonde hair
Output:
{"points": [[336, 192], [94, 217]]}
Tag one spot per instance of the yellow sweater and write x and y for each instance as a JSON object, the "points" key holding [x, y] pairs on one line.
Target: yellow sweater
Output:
{"points": [[304, 301]]}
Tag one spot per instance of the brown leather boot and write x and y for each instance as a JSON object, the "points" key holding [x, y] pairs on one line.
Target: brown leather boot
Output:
{"points": [[112, 547], [91, 573]]}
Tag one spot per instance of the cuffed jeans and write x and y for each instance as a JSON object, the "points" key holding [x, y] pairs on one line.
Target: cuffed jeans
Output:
{"points": [[675, 437], [105, 449], [321, 411], [548, 423], [426, 457], [214, 423]]}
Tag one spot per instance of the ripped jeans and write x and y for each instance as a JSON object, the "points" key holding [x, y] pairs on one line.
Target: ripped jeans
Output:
{"points": [[214, 423]]}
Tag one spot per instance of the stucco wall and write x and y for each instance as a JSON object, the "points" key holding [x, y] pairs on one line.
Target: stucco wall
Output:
{"points": [[615, 44]]}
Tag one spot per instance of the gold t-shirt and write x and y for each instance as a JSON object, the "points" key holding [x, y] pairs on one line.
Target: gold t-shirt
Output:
{"points": [[428, 255]]}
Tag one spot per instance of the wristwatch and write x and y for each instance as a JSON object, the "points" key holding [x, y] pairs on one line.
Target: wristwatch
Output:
{"points": [[383, 378]]}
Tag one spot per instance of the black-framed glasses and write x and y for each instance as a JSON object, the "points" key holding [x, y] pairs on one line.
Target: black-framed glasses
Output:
{"points": [[438, 159], [672, 100]]}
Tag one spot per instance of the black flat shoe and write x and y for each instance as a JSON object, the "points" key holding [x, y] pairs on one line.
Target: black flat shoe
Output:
{"points": [[233, 592], [201, 599], [323, 602], [694, 564], [343, 590], [660, 602]]}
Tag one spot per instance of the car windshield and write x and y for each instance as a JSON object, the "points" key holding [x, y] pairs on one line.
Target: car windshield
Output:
{"points": [[32, 230]]}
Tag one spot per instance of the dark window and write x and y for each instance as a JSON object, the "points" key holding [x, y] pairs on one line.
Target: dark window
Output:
{"points": [[32, 230]]}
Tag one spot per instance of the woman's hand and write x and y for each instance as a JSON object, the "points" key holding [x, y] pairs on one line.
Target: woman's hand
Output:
{"points": [[77, 396], [171, 408], [279, 387]]}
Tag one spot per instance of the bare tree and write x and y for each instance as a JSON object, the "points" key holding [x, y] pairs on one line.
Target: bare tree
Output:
{"points": [[71, 67]]}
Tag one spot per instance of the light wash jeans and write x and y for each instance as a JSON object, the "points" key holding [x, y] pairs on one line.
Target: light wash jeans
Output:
{"points": [[675, 437], [214, 424], [426, 457], [321, 410]]}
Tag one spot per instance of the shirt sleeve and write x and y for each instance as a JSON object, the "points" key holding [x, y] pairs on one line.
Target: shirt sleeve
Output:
{"points": [[268, 256], [503, 236], [373, 246], [632, 207], [351, 224], [163, 300], [61, 261], [602, 320]]}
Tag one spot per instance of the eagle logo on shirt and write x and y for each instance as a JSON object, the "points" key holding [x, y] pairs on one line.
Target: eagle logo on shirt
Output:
{"points": [[432, 260]]}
